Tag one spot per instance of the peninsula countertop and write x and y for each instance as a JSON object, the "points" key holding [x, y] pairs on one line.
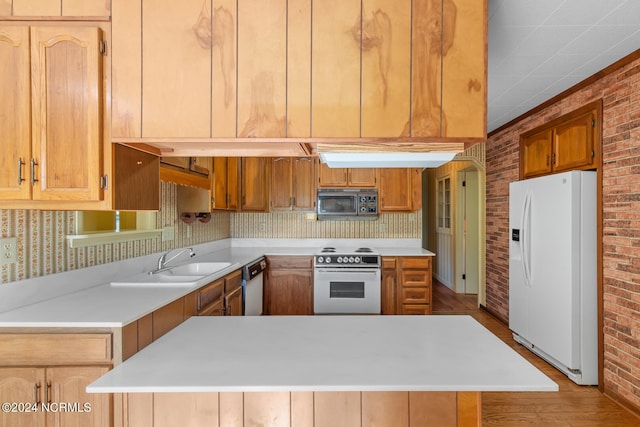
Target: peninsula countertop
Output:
{"points": [[325, 353]]}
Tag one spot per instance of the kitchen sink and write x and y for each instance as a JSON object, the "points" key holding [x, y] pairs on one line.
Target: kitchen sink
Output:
{"points": [[182, 275], [198, 268]]}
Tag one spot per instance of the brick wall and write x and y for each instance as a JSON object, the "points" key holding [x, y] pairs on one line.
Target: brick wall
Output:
{"points": [[620, 92]]}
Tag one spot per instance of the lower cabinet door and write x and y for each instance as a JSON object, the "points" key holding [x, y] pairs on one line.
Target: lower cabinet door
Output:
{"points": [[289, 292], [67, 387], [20, 386]]}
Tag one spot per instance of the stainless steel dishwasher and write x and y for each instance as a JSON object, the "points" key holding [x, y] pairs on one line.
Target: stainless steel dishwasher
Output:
{"points": [[252, 285]]}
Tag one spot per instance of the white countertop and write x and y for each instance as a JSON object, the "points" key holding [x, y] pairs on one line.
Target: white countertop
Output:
{"points": [[325, 353], [99, 304]]}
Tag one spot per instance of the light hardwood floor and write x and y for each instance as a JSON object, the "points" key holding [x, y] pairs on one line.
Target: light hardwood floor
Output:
{"points": [[572, 405]]}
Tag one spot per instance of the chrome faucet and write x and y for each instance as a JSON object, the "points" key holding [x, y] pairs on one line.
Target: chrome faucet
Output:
{"points": [[162, 261]]}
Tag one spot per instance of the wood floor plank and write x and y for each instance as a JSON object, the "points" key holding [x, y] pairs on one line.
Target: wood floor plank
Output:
{"points": [[573, 405]]}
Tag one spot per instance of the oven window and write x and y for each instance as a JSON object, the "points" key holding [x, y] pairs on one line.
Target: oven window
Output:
{"points": [[337, 204], [346, 290]]}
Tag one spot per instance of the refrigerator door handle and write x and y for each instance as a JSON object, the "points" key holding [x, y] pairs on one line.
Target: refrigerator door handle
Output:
{"points": [[526, 233]]}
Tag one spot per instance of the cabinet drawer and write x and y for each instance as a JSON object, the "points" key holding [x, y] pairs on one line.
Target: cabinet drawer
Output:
{"points": [[213, 309], [232, 281], [388, 263], [415, 295], [414, 279], [416, 309], [209, 293], [285, 262], [417, 263], [59, 349]]}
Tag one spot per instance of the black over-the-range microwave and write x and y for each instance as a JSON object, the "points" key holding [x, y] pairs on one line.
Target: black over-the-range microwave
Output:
{"points": [[347, 204]]}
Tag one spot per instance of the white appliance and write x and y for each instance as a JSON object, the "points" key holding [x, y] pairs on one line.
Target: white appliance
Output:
{"points": [[346, 281], [552, 271], [252, 287]]}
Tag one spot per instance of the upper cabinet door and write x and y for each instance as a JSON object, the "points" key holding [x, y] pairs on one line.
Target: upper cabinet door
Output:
{"points": [[464, 88], [15, 103], [395, 190], [427, 41], [126, 69], [262, 68], [304, 183], [281, 182], [176, 58], [536, 154], [362, 177], [66, 80], [255, 174], [299, 69], [223, 68], [386, 67], [332, 177], [573, 143], [335, 84]]}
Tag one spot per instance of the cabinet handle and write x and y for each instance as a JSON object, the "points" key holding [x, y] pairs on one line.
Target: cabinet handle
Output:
{"points": [[36, 392], [547, 160], [33, 171], [20, 165], [47, 392]]}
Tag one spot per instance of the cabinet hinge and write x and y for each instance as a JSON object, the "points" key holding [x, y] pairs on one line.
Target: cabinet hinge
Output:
{"points": [[593, 153], [104, 182], [593, 123], [464, 183], [464, 277], [103, 48]]}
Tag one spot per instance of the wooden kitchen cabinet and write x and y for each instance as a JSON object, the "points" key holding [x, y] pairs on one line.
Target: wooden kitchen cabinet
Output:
{"points": [[414, 285], [55, 143], [55, 368], [388, 292], [57, 8], [395, 190], [254, 186], [136, 176], [233, 294], [293, 184], [406, 285], [244, 70], [288, 288], [346, 177], [53, 385], [536, 153], [225, 178], [566, 143], [262, 68], [221, 297]]}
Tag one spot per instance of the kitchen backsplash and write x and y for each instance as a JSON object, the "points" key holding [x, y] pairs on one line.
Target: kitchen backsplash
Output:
{"points": [[43, 249], [294, 225]]}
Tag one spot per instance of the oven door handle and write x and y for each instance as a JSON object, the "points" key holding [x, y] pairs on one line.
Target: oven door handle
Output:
{"points": [[348, 270]]}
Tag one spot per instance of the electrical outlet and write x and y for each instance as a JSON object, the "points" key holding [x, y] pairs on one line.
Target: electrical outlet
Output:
{"points": [[168, 234], [8, 250], [262, 227], [383, 227]]}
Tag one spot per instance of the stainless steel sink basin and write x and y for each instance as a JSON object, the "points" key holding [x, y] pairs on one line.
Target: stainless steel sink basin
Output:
{"points": [[198, 268]]}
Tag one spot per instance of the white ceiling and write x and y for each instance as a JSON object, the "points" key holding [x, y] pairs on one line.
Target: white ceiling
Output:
{"points": [[539, 48]]}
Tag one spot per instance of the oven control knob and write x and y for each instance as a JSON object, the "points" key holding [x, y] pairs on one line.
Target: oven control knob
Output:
{"points": [[320, 259], [358, 259], [327, 259], [351, 259], [340, 259]]}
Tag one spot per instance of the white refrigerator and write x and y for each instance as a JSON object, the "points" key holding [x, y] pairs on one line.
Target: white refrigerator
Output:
{"points": [[552, 271]]}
